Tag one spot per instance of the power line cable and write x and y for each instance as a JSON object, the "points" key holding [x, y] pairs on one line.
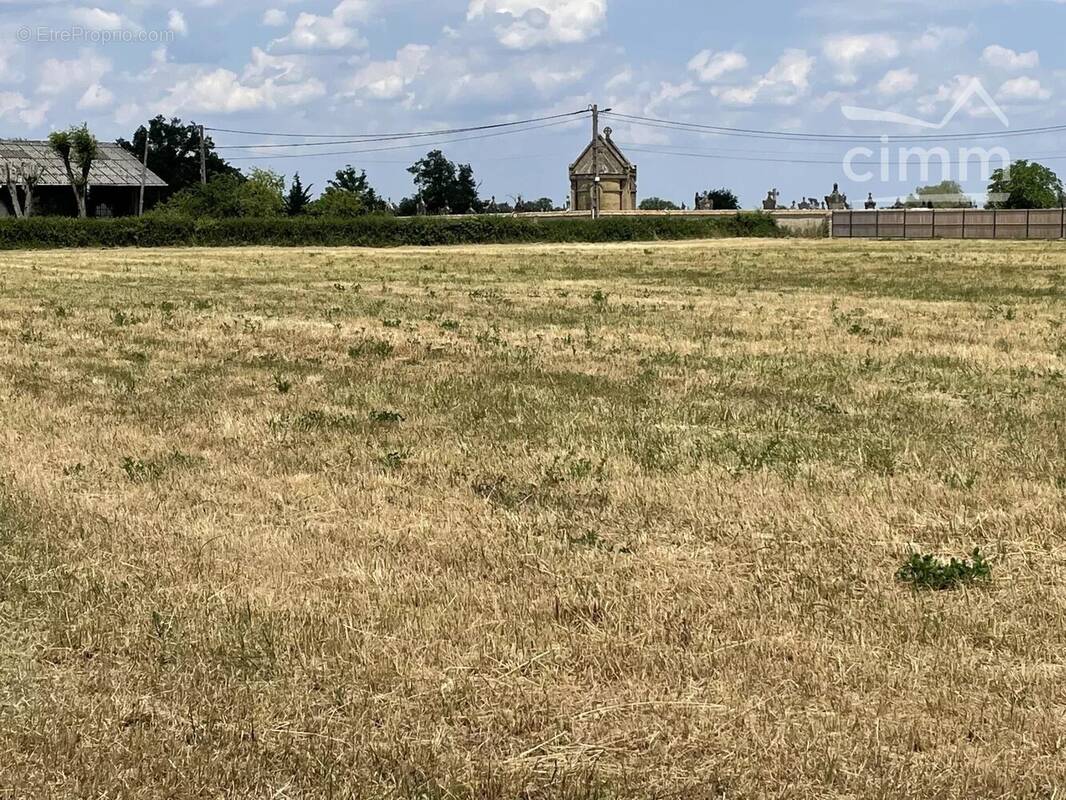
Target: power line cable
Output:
{"points": [[405, 146], [653, 122], [381, 137], [690, 154]]}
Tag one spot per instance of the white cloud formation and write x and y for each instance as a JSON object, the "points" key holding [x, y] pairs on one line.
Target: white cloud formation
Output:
{"points": [[1022, 89], [333, 32], [936, 37], [849, 52], [547, 80], [176, 22], [542, 22], [275, 17], [224, 92], [99, 19], [58, 76], [784, 83], [1004, 58], [388, 80], [897, 81], [96, 97], [710, 66], [268, 81], [965, 89], [15, 105]]}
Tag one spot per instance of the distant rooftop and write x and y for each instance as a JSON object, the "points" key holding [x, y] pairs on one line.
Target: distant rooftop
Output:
{"points": [[114, 166]]}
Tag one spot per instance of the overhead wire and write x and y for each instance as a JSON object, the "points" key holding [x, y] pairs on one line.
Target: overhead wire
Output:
{"points": [[756, 133], [362, 138], [413, 145]]}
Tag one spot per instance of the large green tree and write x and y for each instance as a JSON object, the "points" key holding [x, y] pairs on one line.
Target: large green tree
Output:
{"points": [[722, 199], [174, 152], [298, 198], [261, 194], [349, 193], [444, 187], [78, 149], [1025, 184], [657, 204], [946, 194]]}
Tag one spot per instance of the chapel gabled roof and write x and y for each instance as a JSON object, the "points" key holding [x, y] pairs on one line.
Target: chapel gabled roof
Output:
{"points": [[612, 160]]}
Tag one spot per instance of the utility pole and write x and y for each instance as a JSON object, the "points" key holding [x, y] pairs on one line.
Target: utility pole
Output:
{"points": [[594, 190], [203, 157], [144, 171]]}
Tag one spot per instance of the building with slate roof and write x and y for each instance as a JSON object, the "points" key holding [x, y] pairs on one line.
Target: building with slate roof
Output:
{"points": [[114, 181], [617, 177]]}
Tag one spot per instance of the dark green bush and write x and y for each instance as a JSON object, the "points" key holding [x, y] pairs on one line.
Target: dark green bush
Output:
{"points": [[369, 231], [925, 571]]}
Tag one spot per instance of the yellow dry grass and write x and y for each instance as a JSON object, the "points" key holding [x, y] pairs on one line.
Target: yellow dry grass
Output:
{"points": [[552, 521]]}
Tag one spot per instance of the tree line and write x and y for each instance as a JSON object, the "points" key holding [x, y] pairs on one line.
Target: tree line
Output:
{"points": [[441, 186]]}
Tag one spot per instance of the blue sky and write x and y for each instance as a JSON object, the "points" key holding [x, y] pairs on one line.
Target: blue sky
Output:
{"points": [[364, 66]]}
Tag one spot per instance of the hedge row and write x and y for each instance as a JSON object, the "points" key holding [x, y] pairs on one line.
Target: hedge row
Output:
{"points": [[370, 231]]}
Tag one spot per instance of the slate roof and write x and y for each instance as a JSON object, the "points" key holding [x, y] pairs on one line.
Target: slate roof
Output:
{"points": [[114, 166], [614, 160]]}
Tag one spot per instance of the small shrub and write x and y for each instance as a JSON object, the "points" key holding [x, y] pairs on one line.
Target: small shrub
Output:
{"points": [[282, 384], [386, 417], [394, 460], [378, 348], [926, 571]]}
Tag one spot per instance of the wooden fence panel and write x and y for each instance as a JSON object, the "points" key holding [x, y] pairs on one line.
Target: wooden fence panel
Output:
{"points": [[950, 224]]}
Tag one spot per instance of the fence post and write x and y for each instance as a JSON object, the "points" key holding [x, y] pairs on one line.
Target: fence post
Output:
{"points": [[851, 224], [995, 222], [963, 224], [932, 231], [904, 223], [1027, 213], [877, 223]]}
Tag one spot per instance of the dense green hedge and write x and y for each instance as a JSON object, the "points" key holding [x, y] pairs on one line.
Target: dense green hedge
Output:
{"points": [[371, 231]]}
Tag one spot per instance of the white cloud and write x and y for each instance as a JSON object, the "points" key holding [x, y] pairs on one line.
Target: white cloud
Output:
{"points": [[738, 95], [936, 37], [1005, 58], [14, 104], [1022, 89], [96, 97], [334, 32], [542, 22], [897, 81], [388, 80], [58, 76], [792, 69], [547, 80], [98, 19], [964, 89], [709, 66], [224, 91], [275, 17], [176, 22], [784, 83], [849, 52]]}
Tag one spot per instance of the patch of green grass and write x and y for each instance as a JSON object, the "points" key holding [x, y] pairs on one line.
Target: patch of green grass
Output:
{"points": [[926, 571]]}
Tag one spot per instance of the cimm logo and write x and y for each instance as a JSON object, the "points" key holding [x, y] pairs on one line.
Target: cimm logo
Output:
{"points": [[898, 161]]}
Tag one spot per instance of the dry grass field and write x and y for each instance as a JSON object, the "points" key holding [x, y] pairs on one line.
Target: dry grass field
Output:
{"points": [[544, 522]]}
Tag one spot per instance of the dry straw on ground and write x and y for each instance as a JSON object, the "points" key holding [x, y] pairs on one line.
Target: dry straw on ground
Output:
{"points": [[614, 521]]}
